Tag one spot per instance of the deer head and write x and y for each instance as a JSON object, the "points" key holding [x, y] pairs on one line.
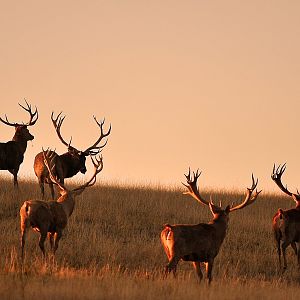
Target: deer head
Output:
{"points": [[22, 131], [215, 209], [80, 156]]}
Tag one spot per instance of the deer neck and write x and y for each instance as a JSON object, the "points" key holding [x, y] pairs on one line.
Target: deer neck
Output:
{"points": [[67, 202], [220, 224], [22, 143]]}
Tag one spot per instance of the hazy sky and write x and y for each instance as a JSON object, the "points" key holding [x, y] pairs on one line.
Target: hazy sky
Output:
{"points": [[208, 84]]}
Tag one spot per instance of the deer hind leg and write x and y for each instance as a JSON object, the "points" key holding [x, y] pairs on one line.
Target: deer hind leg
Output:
{"points": [[42, 239], [57, 237], [51, 240], [23, 237], [283, 247], [197, 267], [171, 266]]}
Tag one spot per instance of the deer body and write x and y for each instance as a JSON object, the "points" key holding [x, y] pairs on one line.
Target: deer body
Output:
{"points": [[286, 229], [199, 243], [286, 223], [12, 152], [68, 164], [51, 217]]}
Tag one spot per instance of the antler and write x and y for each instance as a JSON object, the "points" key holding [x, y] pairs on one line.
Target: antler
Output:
{"points": [[57, 122], [248, 200], [276, 176], [49, 157], [33, 116], [98, 166], [192, 186], [95, 149]]}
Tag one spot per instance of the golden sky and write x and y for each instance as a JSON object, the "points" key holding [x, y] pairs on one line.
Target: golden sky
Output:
{"points": [[208, 84]]}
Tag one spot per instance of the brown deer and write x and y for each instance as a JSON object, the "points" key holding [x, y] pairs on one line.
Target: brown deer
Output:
{"points": [[12, 152], [286, 223], [51, 217], [200, 243], [70, 163]]}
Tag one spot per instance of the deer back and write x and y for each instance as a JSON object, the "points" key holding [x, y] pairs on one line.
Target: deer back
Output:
{"points": [[42, 172]]}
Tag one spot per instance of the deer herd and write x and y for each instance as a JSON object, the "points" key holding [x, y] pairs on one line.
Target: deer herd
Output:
{"points": [[199, 243]]}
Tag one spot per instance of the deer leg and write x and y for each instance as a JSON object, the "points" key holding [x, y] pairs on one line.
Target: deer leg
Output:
{"points": [[283, 247], [51, 241], [41, 184], [197, 267], [14, 172], [52, 190], [23, 236], [171, 266], [278, 252], [42, 239], [57, 237], [209, 267], [294, 246]]}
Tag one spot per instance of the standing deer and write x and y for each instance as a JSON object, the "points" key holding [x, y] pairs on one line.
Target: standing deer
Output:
{"points": [[200, 243], [70, 163], [286, 223], [12, 152], [51, 217]]}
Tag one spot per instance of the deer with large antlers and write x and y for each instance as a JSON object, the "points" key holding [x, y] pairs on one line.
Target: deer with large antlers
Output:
{"points": [[286, 223], [12, 152], [51, 217], [200, 243], [70, 163]]}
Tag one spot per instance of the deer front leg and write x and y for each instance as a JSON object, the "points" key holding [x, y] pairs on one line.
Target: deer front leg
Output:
{"points": [[197, 267], [209, 267]]}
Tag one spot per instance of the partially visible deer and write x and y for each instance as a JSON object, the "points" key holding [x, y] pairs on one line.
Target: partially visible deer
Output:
{"points": [[12, 152], [51, 217], [200, 243], [286, 223], [70, 163]]}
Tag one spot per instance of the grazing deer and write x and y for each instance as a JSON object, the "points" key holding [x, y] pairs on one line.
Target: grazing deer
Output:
{"points": [[286, 223], [70, 163], [12, 152], [200, 243], [51, 217]]}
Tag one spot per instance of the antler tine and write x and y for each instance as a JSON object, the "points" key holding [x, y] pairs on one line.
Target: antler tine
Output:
{"points": [[248, 199], [57, 122], [7, 122], [32, 114], [192, 186], [276, 176], [48, 159], [98, 166], [95, 148]]}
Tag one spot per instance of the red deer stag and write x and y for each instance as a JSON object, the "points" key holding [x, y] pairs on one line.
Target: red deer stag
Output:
{"points": [[12, 152], [51, 217], [69, 163], [200, 243], [286, 223]]}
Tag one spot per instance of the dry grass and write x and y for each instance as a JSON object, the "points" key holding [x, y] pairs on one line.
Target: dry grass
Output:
{"points": [[111, 249]]}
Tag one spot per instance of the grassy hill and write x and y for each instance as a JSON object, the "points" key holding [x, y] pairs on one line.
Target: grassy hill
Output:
{"points": [[111, 248]]}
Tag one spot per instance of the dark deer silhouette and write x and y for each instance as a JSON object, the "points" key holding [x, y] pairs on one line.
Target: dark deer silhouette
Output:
{"points": [[51, 217], [70, 163], [200, 243], [12, 152], [286, 223]]}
